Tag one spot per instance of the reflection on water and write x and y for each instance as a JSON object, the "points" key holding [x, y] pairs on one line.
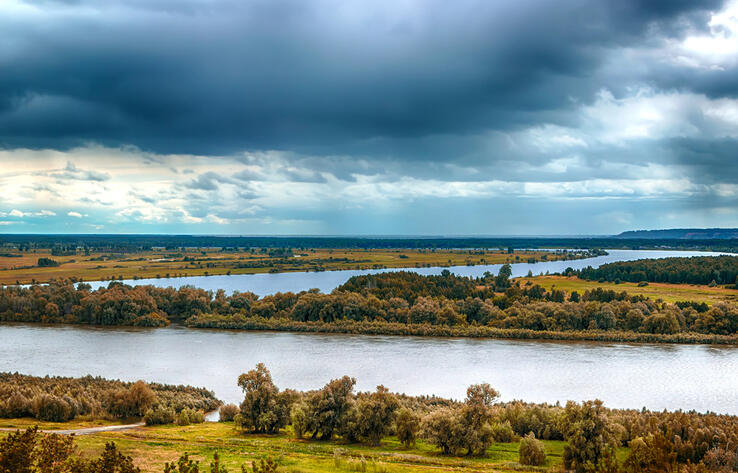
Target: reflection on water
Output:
{"points": [[264, 284], [686, 377]]}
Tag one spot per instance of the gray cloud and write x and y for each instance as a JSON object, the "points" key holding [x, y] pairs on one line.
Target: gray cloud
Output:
{"points": [[319, 77]]}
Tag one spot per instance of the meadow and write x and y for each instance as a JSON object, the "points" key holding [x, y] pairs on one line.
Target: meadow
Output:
{"points": [[667, 292], [152, 447], [23, 267]]}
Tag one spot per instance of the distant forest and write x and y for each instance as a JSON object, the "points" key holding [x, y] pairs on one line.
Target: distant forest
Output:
{"points": [[133, 243], [684, 233], [695, 270]]}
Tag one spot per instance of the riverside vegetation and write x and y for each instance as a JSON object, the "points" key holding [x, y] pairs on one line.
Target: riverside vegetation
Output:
{"points": [[60, 399], [400, 303], [336, 429]]}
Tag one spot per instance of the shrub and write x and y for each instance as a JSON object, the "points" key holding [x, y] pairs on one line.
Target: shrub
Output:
{"points": [[159, 416], [643, 284], [51, 408], [407, 426], [189, 416], [228, 412], [502, 432], [531, 451], [299, 419], [17, 405]]}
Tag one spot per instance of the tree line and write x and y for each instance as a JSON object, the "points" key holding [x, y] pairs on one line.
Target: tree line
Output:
{"points": [[406, 299], [133, 243], [694, 270], [594, 435], [657, 441], [59, 399]]}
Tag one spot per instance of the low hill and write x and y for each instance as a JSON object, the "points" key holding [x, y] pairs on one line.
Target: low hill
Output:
{"points": [[683, 234]]}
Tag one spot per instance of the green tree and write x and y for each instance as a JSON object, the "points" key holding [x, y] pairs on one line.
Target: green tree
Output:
{"points": [[502, 281], [264, 409], [589, 435], [375, 414], [330, 407], [407, 425]]}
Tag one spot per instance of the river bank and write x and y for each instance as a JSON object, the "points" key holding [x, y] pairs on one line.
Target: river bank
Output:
{"points": [[471, 331]]}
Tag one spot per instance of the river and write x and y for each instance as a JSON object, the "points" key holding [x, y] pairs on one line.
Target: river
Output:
{"points": [[266, 283], [686, 377]]}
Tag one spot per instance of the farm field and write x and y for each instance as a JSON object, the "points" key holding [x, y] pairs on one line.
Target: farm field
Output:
{"points": [[24, 269], [667, 292]]}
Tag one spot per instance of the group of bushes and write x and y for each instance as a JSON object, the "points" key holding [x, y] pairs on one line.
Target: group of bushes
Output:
{"points": [[59, 399], [657, 441]]}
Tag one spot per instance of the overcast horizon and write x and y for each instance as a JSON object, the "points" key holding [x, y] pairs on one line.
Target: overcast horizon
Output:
{"points": [[415, 118]]}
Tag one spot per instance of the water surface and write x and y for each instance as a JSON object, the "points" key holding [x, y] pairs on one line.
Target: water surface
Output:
{"points": [[687, 377], [266, 283]]}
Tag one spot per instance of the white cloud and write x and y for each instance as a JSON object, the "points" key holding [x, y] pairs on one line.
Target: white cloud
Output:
{"points": [[74, 214], [16, 213]]}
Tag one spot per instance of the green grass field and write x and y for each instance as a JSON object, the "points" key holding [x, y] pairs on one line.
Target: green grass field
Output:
{"points": [[151, 447]]}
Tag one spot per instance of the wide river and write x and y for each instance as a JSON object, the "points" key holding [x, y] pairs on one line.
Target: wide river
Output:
{"points": [[326, 281], [685, 377], [623, 375]]}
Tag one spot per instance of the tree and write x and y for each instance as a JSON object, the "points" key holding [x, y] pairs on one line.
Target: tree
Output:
{"points": [[375, 414], [475, 432], [589, 435], [407, 425], [502, 281], [330, 407], [440, 428], [264, 409]]}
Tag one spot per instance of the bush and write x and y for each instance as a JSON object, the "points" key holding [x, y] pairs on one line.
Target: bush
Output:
{"points": [[159, 416], [189, 416], [502, 432], [407, 426], [299, 419], [47, 263], [643, 284], [17, 405], [228, 412], [51, 408], [531, 451]]}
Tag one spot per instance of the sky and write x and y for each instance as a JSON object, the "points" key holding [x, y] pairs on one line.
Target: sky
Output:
{"points": [[382, 117]]}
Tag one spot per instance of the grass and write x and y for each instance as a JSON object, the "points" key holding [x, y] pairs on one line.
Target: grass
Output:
{"points": [[163, 264], [666, 292], [152, 447], [77, 423]]}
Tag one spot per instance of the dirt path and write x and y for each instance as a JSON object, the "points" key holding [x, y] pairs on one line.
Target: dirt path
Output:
{"points": [[84, 431]]}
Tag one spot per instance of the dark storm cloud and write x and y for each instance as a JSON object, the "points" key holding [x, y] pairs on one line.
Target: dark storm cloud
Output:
{"points": [[340, 78]]}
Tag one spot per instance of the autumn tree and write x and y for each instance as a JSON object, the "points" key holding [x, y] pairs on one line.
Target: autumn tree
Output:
{"points": [[375, 414], [264, 409], [407, 425], [589, 435]]}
